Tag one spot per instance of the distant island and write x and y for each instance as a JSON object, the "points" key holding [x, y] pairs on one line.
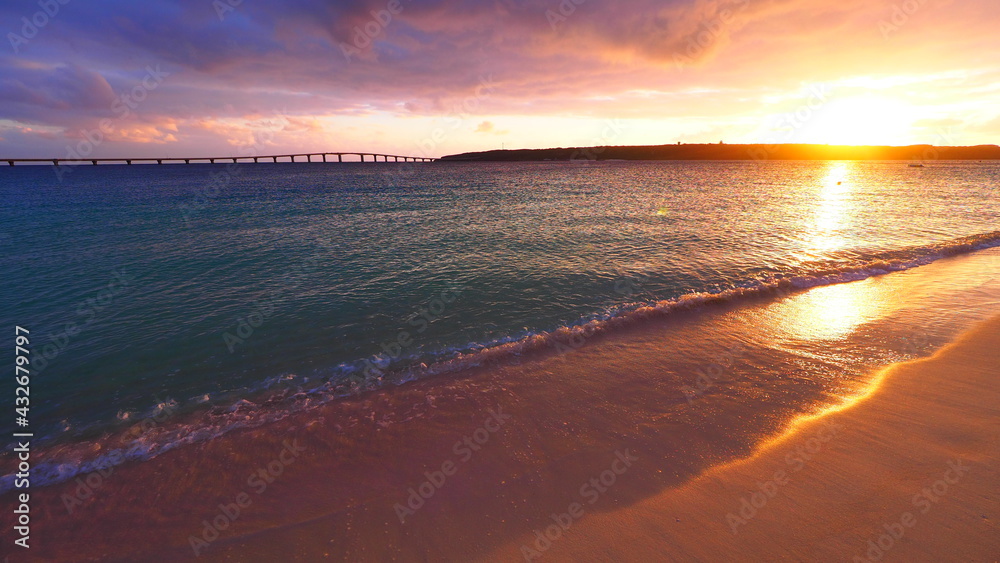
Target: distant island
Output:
{"points": [[735, 152]]}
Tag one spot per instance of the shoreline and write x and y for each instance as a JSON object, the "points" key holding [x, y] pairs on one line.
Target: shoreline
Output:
{"points": [[534, 346], [490, 454], [907, 470]]}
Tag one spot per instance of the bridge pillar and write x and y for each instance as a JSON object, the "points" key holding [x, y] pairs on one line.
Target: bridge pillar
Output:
{"points": [[94, 162], [234, 160], [212, 160], [159, 161], [255, 160], [324, 157], [340, 158], [10, 162], [55, 162], [187, 161], [276, 160], [309, 157], [128, 162]]}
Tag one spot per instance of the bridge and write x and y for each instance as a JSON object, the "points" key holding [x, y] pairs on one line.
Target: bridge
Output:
{"points": [[234, 159]]}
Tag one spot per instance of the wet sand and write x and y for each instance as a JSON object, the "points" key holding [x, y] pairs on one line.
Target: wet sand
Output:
{"points": [[468, 466], [909, 472]]}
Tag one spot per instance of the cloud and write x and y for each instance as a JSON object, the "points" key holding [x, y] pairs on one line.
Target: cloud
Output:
{"points": [[662, 59], [487, 127]]}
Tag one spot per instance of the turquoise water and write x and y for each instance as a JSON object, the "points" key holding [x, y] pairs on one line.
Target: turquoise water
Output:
{"points": [[204, 285]]}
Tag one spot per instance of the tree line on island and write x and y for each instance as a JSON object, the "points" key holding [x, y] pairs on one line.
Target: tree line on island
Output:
{"points": [[735, 152]]}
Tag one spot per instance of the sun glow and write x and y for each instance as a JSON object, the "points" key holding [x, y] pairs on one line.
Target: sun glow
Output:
{"points": [[831, 312], [832, 208], [862, 120]]}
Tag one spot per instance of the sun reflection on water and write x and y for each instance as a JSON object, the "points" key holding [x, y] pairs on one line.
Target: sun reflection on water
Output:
{"points": [[828, 313], [834, 205]]}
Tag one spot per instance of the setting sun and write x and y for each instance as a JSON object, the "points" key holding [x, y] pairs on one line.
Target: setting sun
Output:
{"points": [[500, 280], [862, 120]]}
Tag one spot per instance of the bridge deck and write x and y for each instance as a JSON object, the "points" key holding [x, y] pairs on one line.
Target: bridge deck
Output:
{"points": [[234, 159]]}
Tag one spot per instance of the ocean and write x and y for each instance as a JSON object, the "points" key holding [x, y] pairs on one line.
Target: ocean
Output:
{"points": [[227, 297]]}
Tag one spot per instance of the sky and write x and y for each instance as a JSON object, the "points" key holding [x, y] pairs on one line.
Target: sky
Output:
{"points": [[120, 78]]}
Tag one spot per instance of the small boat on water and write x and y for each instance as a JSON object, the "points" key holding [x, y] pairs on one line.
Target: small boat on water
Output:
{"points": [[916, 165]]}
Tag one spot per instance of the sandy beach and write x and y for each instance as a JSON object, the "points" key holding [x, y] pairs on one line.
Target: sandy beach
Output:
{"points": [[908, 472], [621, 449], [366, 281]]}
